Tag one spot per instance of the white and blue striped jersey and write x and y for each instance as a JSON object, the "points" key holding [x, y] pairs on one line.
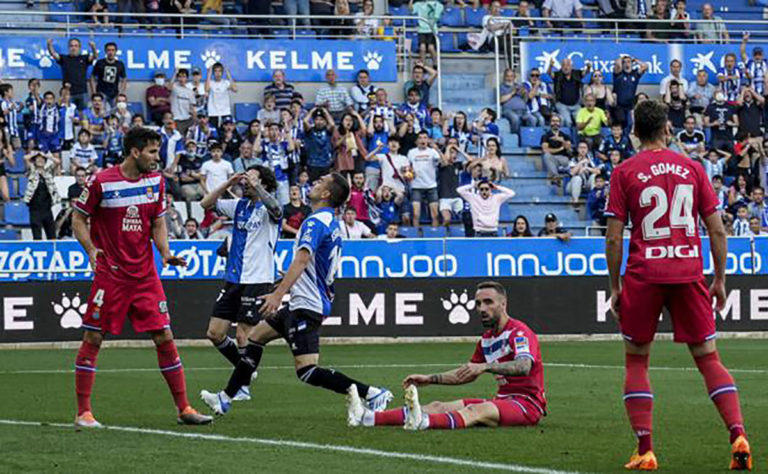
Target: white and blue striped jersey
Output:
{"points": [[11, 117], [68, 116], [756, 71], [48, 120], [731, 87], [320, 235], [254, 237]]}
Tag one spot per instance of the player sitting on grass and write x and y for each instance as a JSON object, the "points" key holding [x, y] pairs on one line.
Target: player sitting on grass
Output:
{"points": [[508, 349], [309, 279], [250, 271]]}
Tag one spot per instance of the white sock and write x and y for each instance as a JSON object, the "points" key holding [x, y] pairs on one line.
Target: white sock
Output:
{"points": [[225, 397], [424, 424], [368, 418]]}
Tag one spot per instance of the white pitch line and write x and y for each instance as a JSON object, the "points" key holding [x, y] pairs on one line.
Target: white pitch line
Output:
{"points": [[310, 446]]}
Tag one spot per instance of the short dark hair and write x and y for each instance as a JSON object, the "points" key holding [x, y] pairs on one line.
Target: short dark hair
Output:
{"points": [[267, 177], [110, 44], [191, 219], [80, 168], [492, 113], [339, 188], [139, 138], [361, 71], [423, 132], [650, 120], [47, 93], [492, 285], [414, 90], [217, 66], [215, 146], [182, 71], [97, 94], [756, 187], [5, 88], [717, 177], [29, 82], [84, 131]]}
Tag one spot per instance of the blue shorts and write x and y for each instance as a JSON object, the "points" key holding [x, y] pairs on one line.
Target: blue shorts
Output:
{"points": [[32, 132], [48, 143]]}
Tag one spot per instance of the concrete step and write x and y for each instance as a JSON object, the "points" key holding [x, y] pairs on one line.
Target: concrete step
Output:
{"points": [[463, 82]]}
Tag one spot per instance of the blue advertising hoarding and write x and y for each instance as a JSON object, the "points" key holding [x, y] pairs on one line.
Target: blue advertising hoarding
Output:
{"points": [[306, 60], [407, 258]]}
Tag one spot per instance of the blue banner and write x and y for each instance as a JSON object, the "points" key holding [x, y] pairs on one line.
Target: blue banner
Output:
{"points": [[408, 258], [603, 54], [22, 57]]}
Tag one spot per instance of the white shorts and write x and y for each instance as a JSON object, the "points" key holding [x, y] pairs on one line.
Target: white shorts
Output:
{"points": [[455, 205]]}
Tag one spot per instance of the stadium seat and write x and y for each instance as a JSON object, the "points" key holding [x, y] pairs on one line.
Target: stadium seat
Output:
{"points": [[409, 232], [20, 167], [63, 183], [530, 137], [434, 232], [16, 213], [60, 7], [136, 108], [447, 44], [452, 17], [21, 186], [9, 234], [474, 16], [181, 207], [245, 112], [414, 41], [508, 12], [196, 211]]}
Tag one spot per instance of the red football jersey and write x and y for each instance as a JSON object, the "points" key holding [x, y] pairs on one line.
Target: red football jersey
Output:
{"points": [[515, 341], [664, 194], [121, 212]]}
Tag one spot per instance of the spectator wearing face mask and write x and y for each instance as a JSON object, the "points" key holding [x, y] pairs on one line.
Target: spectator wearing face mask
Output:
{"points": [[158, 99], [122, 112]]}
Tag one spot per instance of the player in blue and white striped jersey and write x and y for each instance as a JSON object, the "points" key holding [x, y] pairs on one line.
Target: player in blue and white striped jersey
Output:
{"points": [[756, 68], [309, 280], [10, 111], [250, 271]]}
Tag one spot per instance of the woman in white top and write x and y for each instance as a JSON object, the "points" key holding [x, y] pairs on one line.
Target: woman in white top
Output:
{"points": [[366, 26], [218, 89]]}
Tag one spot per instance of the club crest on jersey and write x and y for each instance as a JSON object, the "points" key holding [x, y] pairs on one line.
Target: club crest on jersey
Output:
{"points": [[150, 193], [132, 220], [163, 307], [521, 344]]}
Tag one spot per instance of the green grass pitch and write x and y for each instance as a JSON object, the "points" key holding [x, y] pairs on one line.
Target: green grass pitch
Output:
{"points": [[586, 429]]}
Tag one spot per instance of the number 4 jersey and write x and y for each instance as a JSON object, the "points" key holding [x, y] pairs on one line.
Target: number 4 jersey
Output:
{"points": [[663, 194]]}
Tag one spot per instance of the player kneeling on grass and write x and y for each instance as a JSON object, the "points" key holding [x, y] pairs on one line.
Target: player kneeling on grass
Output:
{"points": [[126, 208], [309, 279], [508, 349], [250, 271]]}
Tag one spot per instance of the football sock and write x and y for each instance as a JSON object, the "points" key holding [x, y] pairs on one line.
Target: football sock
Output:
{"points": [[173, 372], [722, 391], [638, 400], [389, 417], [229, 350], [85, 373], [330, 379], [245, 368], [446, 421]]}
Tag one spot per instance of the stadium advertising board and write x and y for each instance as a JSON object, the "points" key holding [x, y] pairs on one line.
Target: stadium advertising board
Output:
{"points": [[405, 258], [53, 311], [304, 60], [603, 54]]}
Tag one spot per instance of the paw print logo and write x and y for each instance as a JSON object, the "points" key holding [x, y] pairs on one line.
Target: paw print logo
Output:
{"points": [[71, 311], [458, 307], [44, 59], [210, 58], [373, 60]]}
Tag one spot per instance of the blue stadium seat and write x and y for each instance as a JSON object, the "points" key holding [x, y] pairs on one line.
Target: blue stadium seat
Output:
{"points": [[21, 186], [531, 136], [136, 108], [434, 232], [20, 167], [9, 234], [409, 232], [245, 112], [306, 34], [474, 16], [508, 12], [447, 44], [61, 7], [414, 41], [452, 17], [16, 213], [399, 11]]}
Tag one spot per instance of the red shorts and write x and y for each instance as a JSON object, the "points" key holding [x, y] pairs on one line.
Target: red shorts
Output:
{"points": [[689, 306], [513, 411], [112, 300]]}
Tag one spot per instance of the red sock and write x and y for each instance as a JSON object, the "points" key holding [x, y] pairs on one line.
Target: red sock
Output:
{"points": [[722, 391], [638, 400], [85, 373], [446, 421], [171, 368], [389, 417]]}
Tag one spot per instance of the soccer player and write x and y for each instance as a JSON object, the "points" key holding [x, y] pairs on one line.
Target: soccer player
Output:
{"points": [[126, 207], [508, 349], [665, 194], [250, 271], [309, 280]]}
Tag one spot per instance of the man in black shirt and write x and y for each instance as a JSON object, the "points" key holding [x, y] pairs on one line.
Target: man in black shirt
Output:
{"points": [[751, 106], [294, 214], [551, 229], [568, 89], [556, 148], [447, 182], [76, 188], [721, 117], [74, 69], [691, 141], [108, 76], [627, 72]]}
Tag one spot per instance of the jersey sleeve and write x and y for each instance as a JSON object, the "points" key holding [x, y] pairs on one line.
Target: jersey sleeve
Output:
{"points": [[160, 204], [90, 197], [524, 343], [226, 207], [708, 202], [477, 356], [310, 235], [617, 204]]}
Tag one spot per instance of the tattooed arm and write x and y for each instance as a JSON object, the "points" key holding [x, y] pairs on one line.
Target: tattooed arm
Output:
{"points": [[444, 378], [513, 368], [270, 202]]}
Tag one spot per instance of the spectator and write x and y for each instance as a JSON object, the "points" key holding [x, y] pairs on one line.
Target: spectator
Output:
{"points": [[333, 97], [691, 141], [41, 194], [559, 9], [494, 167], [10, 111], [755, 68], [556, 147], [514, 102], [317, 142], [83, 153], [94, 118], [349, 149], [294, 214], [218, 89], [676, 102], [390, 209], [230, 140], [99, 10], [383, 107], [615, 141], [281, 91], [757, 208], [659, 30], [485, 128], [422, 77], [396, 171], [424, 161], [362, 91], [171, 144], [604, 98], [191, 229], [714, 165], [245, 159], [523, 18], [721, 118], [48, 129], [274, 152], [360, 198], [551, 229], [269, 114], [31, 112], [214, 11], [731, 78], [293, 129], [627, 72], [254, 132], [378, 132], [756, 227], [459, 129], [680, 21], [76, 189], [700, 93], [392, 232], [521, 228], [750, 109], [408, 133], [741, 223], [538, 98], [215, 171], [582, 170], [190, 174], [492, 28], [739, 192], [108, 76], [485, 205], [416, 108], [429, 13], [343, 27], [113, 143], [202, 134], [122, 112], [158, 99], [198, 87], [351, 228], [596, 201], [589, 122], [675, 68], [435, 127], [614, 160], [297, 7], [720, 191], [450, 203], [712, 30], [367, 26], [173, 219], [183, 102], [567, 83], [74, 69]]}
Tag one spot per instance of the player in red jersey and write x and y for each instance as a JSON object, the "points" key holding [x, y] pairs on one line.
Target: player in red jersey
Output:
{"points": [[126, 207], [664, 194], [508, 349]]}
